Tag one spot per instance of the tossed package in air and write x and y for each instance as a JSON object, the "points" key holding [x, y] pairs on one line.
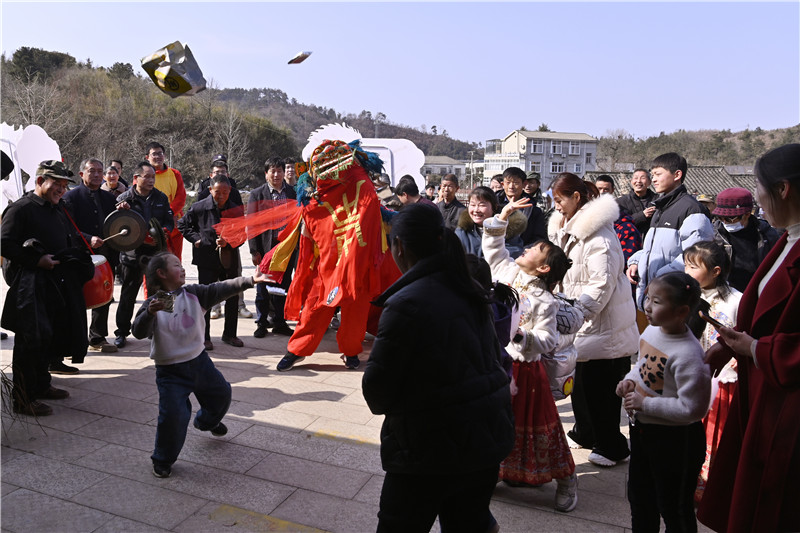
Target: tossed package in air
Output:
{"points": [[174, 70], [299, 58]]}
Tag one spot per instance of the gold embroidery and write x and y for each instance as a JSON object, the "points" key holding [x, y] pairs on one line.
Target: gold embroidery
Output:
{"points": [[343, 225]]}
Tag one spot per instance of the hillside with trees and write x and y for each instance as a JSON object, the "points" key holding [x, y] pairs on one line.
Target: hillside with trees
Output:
{"points": [[704, 147], [302, 119], [114, 112]]}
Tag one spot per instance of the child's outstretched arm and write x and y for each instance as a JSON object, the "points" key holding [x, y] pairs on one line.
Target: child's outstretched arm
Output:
{"points": [[259, 277], [209, 295]]}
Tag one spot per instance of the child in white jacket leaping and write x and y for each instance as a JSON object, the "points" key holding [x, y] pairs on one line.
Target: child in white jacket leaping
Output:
{"points": [[533, 274]]}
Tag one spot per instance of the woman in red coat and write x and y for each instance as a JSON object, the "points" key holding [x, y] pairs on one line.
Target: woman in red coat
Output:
{"points": [[754, 482]]}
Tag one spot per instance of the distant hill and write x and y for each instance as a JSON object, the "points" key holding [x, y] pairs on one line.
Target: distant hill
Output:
{"points": [[302, 119], [703, 147]]}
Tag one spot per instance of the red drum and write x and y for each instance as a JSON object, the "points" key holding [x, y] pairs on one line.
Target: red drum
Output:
{"points": [[99, 290]]}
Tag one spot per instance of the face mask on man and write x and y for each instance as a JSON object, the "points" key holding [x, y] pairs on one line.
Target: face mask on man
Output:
{"points": [[733, 227]]}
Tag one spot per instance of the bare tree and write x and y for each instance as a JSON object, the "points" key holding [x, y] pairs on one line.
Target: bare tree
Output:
{"points": [[232, 140], [31, 101]]}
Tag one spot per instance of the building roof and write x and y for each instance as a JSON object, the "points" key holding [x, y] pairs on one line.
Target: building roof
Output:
{"points": [[441, 160], [739, 170], [702, 179], [706, 179], [554, 135]]}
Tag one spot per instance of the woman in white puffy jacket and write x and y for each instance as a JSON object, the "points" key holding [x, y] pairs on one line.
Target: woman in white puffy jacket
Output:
{"points": [[583, 226]]}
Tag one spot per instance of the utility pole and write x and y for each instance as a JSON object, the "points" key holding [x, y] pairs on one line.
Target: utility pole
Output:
{"points": [[471, 171]]}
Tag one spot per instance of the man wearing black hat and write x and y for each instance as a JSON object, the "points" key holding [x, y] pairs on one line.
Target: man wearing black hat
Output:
{"points": [[747, 239], [48, 265]]}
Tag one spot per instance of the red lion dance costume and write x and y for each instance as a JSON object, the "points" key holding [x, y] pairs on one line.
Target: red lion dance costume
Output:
{"points": [[343, 260]]}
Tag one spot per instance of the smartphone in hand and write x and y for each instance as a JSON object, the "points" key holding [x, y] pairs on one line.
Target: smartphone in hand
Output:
{"points": [[705, 316]]}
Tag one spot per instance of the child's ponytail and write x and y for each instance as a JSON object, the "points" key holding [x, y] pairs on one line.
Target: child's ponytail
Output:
{"points": [[151, 265]]}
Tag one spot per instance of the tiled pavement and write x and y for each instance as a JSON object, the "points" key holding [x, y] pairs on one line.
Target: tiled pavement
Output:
{"points": [[301, 453]]}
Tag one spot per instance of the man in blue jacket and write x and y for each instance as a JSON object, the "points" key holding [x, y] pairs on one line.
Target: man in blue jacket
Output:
{"points": [[679, 221]]}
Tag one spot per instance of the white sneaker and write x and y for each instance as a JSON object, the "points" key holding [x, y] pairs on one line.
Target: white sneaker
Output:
{"points": [[216, 312], [567, 493], [601, 460], [244, 312]]}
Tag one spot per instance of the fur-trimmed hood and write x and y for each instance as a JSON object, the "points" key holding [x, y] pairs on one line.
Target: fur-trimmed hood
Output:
{"points": [[517, 223], [596, 214]]}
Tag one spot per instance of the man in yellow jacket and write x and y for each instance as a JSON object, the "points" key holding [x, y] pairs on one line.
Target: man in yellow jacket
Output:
{"points": [[170, 182]]}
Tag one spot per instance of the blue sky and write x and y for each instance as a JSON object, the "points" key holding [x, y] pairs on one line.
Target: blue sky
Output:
{"points": [[477, 70]]}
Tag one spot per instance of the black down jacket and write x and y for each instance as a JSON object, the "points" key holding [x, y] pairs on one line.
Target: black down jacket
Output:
{"points": [[435, 372]]}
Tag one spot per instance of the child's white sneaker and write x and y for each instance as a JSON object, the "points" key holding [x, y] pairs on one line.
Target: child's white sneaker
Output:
{"points": [[567, 493]]}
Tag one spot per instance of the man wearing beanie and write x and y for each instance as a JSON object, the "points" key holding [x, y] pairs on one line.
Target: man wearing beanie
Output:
{"points": [[746, 238]]}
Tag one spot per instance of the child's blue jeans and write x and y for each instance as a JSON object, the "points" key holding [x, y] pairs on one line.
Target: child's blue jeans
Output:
{"points": [[175, 383]]}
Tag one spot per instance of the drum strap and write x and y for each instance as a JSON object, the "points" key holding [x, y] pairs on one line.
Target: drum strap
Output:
{"points": [[66, 212]]}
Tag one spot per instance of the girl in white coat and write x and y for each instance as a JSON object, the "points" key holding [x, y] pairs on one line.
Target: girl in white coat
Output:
{"points": [[583, 226], [541, 452]]}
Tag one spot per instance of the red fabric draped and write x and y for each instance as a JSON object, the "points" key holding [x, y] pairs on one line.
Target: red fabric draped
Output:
{"points": [[271, 215]]}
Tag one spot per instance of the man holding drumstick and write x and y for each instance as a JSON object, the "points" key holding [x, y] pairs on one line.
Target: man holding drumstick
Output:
{"points": [[89, 206]]}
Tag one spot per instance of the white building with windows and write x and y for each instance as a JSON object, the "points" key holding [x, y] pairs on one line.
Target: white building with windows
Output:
{"points": [[439, 165], [545, 152]]}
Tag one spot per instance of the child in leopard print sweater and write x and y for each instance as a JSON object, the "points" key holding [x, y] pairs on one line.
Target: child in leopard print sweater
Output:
{"points": [[666, 395]]}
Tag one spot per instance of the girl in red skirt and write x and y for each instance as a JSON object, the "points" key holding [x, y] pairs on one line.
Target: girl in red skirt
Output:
{"points": [[541, 452], [708, 263]]}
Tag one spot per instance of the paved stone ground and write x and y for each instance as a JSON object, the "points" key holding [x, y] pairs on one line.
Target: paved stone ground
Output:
{"points": [[301, 454]]}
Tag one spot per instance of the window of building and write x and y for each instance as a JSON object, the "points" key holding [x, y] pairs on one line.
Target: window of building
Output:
{"points": [[537, 147], [457, 171], [574, 148], [555, 147], [556, 167], [588, 158], [536, 166], [577, 168]]}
